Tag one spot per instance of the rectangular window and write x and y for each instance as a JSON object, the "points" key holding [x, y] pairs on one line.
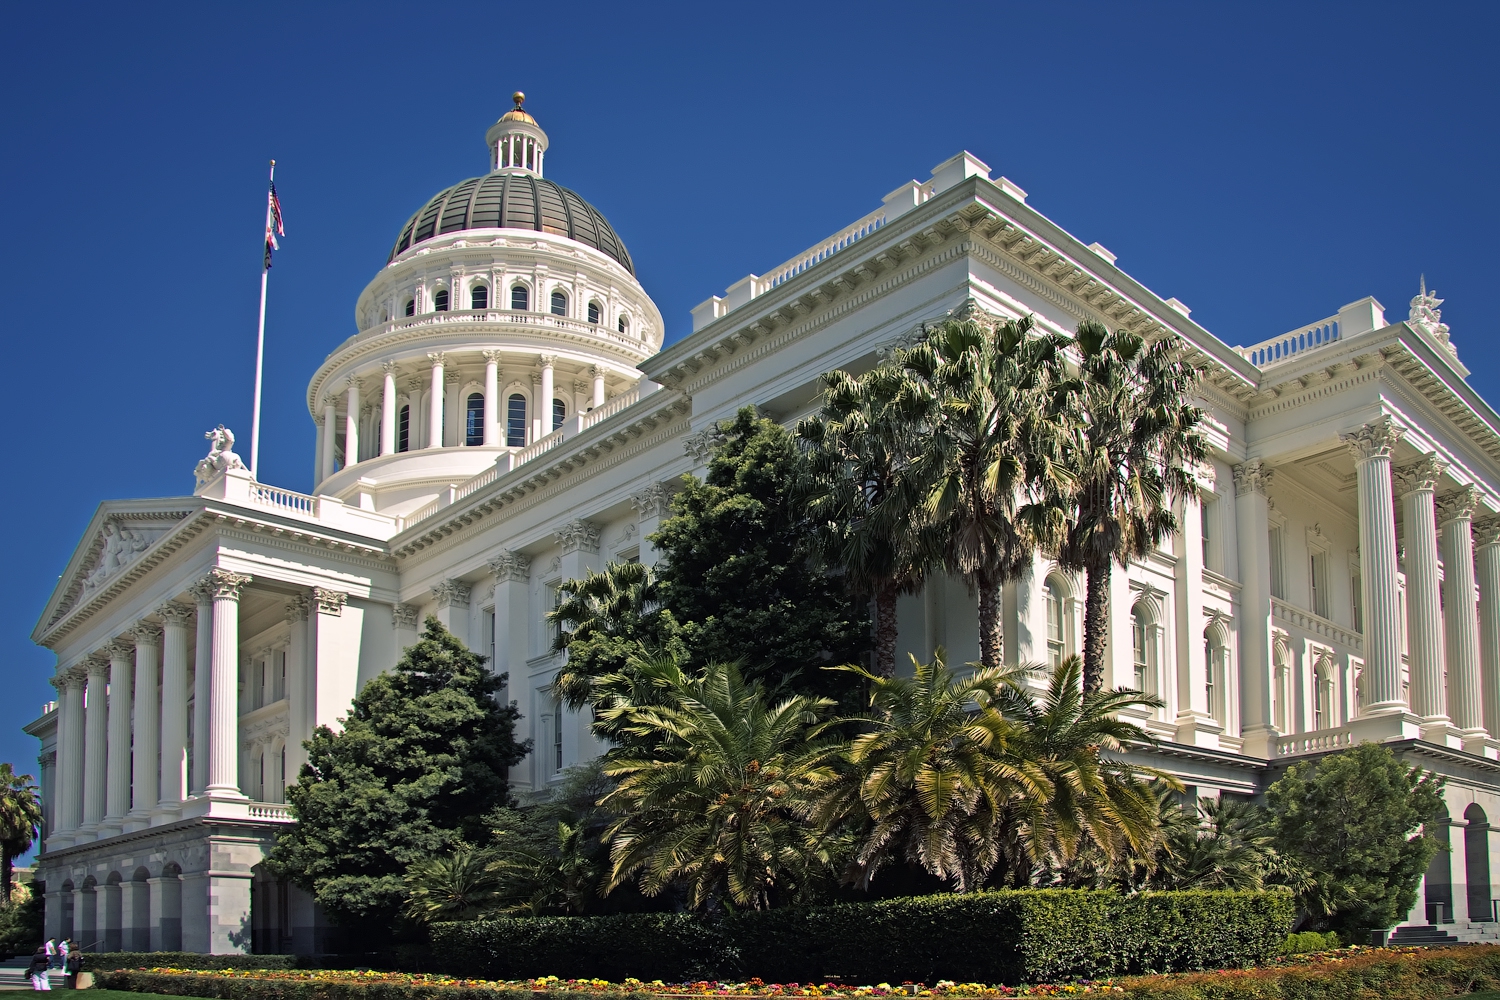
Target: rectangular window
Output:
{"points": [[1205, 519], [1273, 552], [1358, 601], [403, 430], [1138, 651], [1054, 627], [1318, 577], [554, 627], [1211, 664], [557, 737], [281, 691]]}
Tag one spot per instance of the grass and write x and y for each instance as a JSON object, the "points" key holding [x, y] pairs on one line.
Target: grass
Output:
{"points": [[125, 995]]}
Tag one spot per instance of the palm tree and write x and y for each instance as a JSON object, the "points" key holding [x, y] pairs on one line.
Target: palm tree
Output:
{"points": [[1073, 740], [1132, 445], [458, 886], [860, 446], [603, 620], [558, 877], [930, 775], [985, 400], [20, 819], [718, 805], [1226, 844]]}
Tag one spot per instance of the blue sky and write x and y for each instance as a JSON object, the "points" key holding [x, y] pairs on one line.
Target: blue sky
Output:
{"points": [[1264, 163]]}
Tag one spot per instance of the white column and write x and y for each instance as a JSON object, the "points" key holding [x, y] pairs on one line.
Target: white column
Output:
{"points": [[598, 373], [296, 685], [1424, 616], [330, 438], [651, 505], [451, 598], [351, 423], [145, 789], [117, 794], [404, 624], [492, 398], [548, 391], [512, 571], [536, 406], [1460, 621], [174, 699], [1252, 480], [70, 749], [202, 673], [1487, 565], [224, 722], [435, 403], [95, 747], [388, 409], [1371, 446]]}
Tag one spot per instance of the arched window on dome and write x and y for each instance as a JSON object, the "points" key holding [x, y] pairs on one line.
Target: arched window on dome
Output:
{"points": [[594, 313], [479, 296], [440, 301], [519, 299], [515, 421], [559, 304], [624, 323], [559, 413], [411, 307], [403, 429], [474, 420]]}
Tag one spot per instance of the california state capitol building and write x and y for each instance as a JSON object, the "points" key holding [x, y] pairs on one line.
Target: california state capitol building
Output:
{"points": [[504, 418]]}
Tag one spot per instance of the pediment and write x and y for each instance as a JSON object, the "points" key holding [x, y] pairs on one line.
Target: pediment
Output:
{"points": [[115, 541]]}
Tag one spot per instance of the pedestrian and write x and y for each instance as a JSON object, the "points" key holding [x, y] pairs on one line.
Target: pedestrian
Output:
{"points": [[53, 962], [63, 948], [73, 966], [37, 970]]}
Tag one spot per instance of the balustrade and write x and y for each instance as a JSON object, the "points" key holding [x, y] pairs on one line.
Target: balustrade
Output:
{"points": [[1287, 346]]}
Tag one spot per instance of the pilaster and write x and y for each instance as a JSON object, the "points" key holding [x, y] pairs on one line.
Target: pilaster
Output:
{"points": [[1252, 482]]}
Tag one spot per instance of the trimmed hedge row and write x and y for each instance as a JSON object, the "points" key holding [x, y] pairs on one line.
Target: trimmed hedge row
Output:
{"points": [[107, 960], [992, 937]]}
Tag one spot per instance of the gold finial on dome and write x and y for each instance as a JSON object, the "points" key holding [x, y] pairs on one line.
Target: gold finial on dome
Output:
{"points": [[516, 141], [518, 113], [519, 98]]}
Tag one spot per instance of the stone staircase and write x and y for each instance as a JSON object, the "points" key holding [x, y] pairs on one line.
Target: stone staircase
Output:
{"points": [[13, 974], [1423, 936]]}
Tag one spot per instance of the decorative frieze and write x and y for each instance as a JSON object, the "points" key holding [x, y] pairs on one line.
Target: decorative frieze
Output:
{"points": [[654, 501], [451, 594], [578, 536], [329, 602], [1376, 439], [509, 566], [1252, 477]]}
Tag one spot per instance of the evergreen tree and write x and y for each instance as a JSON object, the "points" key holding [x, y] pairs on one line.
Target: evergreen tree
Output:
{"points": [[1352, 821], [737, 568], [422, 757]]}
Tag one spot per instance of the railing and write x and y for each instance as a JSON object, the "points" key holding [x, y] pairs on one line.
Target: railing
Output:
{"points": [[424, 512], [539, 447], [275, 812], [1314, 742], [1330, 631], [285, 500], [844, 237], [609, 409], [1289, 345], [635, 340]]}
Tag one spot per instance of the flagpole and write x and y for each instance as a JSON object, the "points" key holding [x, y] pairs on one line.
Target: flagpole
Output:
{"points": [[260, 344]]}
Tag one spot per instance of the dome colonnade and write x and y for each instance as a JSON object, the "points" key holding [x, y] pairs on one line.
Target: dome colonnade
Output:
{"points": [[507, 306]]}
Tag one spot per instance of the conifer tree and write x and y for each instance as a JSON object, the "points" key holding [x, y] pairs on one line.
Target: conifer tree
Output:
{"points": [[421, 758]]}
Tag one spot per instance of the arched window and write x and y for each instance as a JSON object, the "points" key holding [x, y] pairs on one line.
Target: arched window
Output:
{"points": [[515, 421], [474, 420], [440, 301], [1057, 634], [519, 300], [1216, 665], [1140, 651], [594, 313], [479, 297], [1324, 715], [403, 429], [1281, 685], [559, 413], [624, 323], [411, 307], [559, 304]]}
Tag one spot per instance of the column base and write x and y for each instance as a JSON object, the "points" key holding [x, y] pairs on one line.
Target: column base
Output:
{"points": [[217, 805], [1386, 726], [137, 819], [165, 812], [86, 833], [1440, 731], [57, 842], [1198, 729], [1480, 744], [1259, 741]]}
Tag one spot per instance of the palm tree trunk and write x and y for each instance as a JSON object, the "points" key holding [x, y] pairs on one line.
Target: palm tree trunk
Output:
{"points": [[1096, 624], [6, 868], [885, 632], [989, 624]]}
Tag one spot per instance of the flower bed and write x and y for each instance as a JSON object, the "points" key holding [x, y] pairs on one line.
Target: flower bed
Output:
{"points": [[1346, 974]]}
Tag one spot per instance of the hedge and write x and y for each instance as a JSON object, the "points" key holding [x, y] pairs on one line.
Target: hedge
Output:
{"points": [[993, 937], [108, 960]]}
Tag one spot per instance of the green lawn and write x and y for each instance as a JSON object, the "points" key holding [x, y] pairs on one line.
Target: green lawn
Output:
{"points": [[1486, 995], [124, 995]]}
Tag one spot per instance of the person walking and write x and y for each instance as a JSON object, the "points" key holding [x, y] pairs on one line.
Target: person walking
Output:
{"points": [[41, 961], [53, 962], [73, 966], [63, 947]]}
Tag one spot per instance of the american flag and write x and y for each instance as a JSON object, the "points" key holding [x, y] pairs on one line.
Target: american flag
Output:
{"points": [[274, 227]]}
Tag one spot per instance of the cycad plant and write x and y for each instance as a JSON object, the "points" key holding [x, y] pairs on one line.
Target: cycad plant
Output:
{"points": [[717, 804], [928, 778], [459, 885], [1133, 442], [985, 398]]}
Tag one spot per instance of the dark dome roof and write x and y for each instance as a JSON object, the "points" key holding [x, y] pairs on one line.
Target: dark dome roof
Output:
{"points": [[513, 201]]}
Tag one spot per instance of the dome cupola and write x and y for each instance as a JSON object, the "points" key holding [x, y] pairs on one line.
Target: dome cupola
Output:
{"points": [[517, 143]]}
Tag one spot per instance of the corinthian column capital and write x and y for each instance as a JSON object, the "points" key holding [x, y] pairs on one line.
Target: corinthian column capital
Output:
{"points": [[1252, 477], [223, 585], [1458, 505], [1422, 474], [1377, 439]]}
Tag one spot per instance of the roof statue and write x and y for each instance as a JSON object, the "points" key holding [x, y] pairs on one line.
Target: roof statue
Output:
{"points": [[1426, 316], [220, 455]]}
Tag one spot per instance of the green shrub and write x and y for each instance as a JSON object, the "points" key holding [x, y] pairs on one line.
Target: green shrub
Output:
{"points": [[111, 960], [995, 937], [1305, 941]]}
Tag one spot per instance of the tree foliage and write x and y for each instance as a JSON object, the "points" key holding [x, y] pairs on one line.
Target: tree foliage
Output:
{"points": [[20, 819], [1353, 819], [421, 758]]}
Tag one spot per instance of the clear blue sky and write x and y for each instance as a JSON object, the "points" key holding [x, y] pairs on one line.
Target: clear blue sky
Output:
{"points": [[1265, 163]]}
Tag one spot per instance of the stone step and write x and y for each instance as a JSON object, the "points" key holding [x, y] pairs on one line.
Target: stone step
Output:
{"points": [[1422, 935]]}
